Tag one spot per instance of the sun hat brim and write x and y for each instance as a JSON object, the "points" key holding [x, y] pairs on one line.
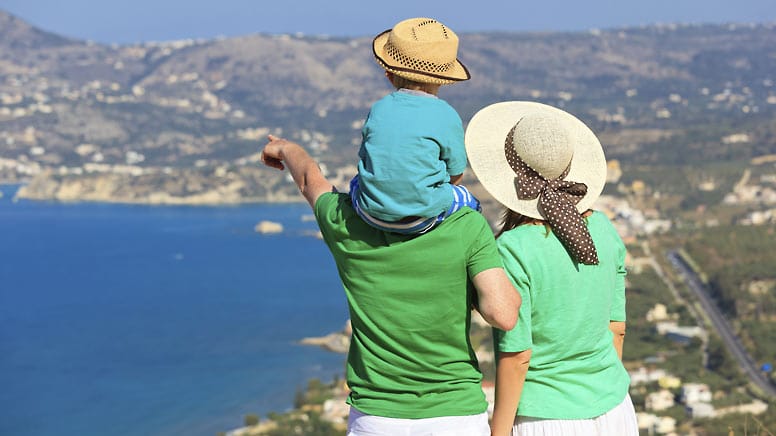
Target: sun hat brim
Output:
{"points": [[486, 134], [457, 73]]}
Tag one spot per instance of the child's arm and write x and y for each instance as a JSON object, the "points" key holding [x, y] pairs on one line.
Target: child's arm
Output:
{"points": [[618, 328], [510, 377], [454, 180]]}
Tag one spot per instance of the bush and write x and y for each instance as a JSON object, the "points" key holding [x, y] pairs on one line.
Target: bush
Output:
{"points": [[251, 420]]}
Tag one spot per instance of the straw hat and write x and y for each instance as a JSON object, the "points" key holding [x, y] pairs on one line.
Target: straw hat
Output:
{"points": [[420, 49], [547, 139]]}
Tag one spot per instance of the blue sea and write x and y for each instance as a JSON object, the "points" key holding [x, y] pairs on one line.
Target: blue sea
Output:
{"points": [[140, 320]]}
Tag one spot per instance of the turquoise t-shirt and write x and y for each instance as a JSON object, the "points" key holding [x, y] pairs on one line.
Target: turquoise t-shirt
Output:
{"points": [[574, 371], [409, 300], [411, 145]]}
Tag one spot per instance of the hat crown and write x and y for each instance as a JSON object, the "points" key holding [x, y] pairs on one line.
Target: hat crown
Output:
{"points": [[544, 142], [424, 39], [422, 50], [504, 129]]}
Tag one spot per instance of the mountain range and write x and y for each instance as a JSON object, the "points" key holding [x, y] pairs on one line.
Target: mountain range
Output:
{"points": [[198, 110]]}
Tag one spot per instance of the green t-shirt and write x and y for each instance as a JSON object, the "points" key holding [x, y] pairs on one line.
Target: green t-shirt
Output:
{"points": [[409, 299], [574, 371]]}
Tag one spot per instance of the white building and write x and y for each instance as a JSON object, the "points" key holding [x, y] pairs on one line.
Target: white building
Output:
{"points": [[693, 393], [756, 407], [672, 329], [644, 375], [658, 313], [653, 424], [700, 410], [660, 400]]}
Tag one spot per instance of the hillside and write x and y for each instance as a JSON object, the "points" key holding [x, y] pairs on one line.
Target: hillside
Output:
{"points": [[73, 110]]}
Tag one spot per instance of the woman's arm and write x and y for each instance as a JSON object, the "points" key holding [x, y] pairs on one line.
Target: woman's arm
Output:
{"points": [[618, 328], [510, 377]]}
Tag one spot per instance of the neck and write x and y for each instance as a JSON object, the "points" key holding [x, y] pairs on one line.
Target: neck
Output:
{"points": [[428, 89]]}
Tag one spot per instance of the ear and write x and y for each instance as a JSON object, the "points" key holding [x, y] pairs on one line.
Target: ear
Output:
{"points": [[389, 75]]}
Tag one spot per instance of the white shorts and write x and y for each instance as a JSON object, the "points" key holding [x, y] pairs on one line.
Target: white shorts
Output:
{"points": [[360, 424], [620, 421]]}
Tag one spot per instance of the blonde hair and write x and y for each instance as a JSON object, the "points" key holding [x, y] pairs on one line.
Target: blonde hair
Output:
{"points": [[402, 82]]}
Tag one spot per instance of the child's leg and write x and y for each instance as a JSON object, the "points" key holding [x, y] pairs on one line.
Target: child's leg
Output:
{"points": [[461, 197], [420, 225], [354, 190]]}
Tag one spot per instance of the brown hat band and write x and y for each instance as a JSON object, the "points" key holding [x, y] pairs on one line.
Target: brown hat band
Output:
{"points": [[557, 204]]}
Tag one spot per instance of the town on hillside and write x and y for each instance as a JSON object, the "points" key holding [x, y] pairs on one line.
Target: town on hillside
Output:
{"points": [[686, 115]]}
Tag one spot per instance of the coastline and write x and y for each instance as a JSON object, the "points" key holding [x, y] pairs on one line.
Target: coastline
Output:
{"points": [[172, 201], [18, 192], [319, 408], [336, 342]]}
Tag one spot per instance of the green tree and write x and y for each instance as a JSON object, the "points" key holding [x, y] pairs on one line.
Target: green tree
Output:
{"points": [[251, 420]]}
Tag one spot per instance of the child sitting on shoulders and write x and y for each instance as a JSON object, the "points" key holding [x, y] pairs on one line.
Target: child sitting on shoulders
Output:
{"points": [[412, 152]]}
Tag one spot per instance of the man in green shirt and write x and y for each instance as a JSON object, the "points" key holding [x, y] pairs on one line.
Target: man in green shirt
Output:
{"points": [[411, 368]]}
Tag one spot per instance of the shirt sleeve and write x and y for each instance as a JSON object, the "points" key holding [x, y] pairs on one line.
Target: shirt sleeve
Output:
{"points": [[520, 337], [365, 129], [482, 252], [453, 151], [325, 205], [618, 297]]}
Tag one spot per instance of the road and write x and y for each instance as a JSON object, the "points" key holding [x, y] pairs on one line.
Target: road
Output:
{"points": [[719, 323]]}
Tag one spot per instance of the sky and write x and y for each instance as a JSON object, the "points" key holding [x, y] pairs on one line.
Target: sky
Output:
{"points": [[129, 21]]}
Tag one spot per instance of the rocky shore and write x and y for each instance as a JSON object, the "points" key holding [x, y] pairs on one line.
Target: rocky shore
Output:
{"points": [[337, 342], [162, 187]]}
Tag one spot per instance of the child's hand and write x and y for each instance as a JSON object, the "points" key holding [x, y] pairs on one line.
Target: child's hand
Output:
{"points": [[272, 155]]}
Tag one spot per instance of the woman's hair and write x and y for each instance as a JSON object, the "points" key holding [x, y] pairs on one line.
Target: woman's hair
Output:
{"points": [[511, 219]]}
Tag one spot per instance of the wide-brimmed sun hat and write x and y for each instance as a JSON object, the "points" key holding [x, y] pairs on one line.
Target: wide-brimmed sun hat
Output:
{"points": [[420, 49], [542, 162]]}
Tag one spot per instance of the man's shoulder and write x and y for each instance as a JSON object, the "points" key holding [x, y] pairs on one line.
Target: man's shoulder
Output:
{"points": [[334, 210], [329, 202], [473, 221]]}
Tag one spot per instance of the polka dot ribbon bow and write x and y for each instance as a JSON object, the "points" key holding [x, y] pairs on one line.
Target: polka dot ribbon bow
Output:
{"points": [[557, 204]]}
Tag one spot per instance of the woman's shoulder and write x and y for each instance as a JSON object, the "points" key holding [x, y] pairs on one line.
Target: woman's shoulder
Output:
{"points": [[524, 235], [600, 219], [603, 229], [598, 215]]}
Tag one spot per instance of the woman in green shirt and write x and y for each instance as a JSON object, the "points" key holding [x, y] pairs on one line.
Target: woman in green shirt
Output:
{"points": [[559, 371]]}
